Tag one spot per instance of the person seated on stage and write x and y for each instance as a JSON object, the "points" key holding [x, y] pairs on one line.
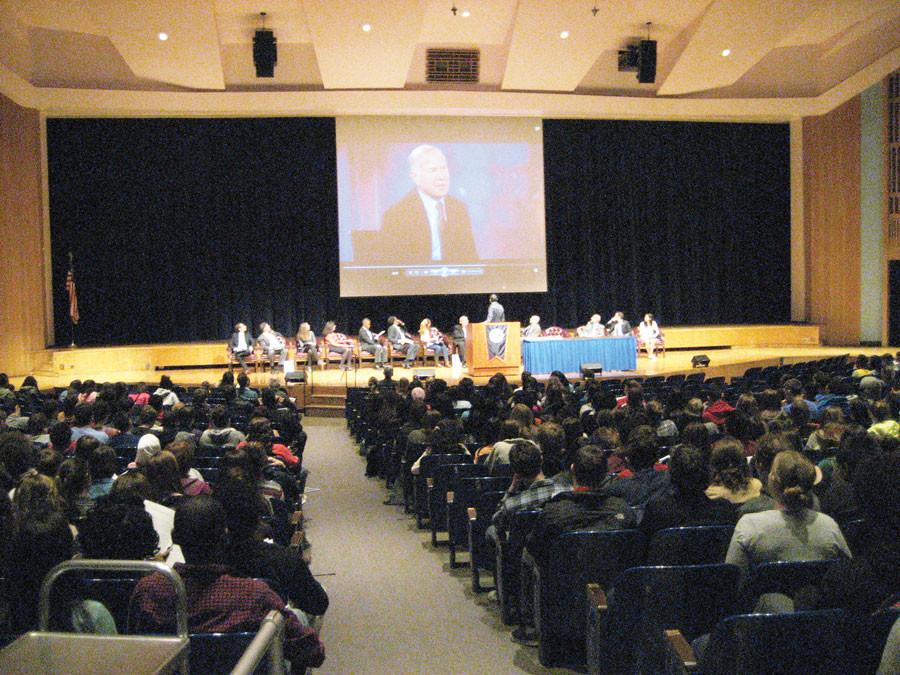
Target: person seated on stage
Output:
{"points": [[460, 333], [336, 343], [648, 330], [533, 329], [217, 601], [401, 341], [433, 339], [618, 325], [272, 343], [306, 344], [242, 344], [593, 328], [368, 342]]}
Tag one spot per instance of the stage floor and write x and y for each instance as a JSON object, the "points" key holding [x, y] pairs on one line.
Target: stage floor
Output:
{"points": [[723, 362]]}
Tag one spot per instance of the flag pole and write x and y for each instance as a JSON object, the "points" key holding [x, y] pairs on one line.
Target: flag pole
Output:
{"points": [[70, 287]]}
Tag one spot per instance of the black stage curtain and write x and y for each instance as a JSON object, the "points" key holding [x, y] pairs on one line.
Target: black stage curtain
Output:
{"points": [[182, 227]]}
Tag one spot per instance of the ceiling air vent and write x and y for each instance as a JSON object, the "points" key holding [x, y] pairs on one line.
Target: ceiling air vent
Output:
{"points": [[452, 65]]}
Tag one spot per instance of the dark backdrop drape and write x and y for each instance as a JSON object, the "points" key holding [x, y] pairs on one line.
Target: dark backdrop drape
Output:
{"points": [[182, 227]]}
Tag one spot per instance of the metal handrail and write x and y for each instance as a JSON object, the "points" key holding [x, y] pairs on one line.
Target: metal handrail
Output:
{"points": [[181, 614], [269, 639]]}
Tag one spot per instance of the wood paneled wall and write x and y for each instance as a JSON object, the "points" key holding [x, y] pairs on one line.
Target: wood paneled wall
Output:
{"points": [[831, 167], [21, 233]]}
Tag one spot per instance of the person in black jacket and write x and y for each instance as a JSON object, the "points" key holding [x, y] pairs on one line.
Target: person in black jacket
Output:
{"points": [[247, 554], [587, 507]]}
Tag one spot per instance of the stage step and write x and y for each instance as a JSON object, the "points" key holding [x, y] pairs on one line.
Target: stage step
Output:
{"points": [[324, 410]]}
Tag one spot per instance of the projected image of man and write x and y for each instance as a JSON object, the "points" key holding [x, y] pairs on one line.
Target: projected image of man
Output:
{"points": [[428, 225]]}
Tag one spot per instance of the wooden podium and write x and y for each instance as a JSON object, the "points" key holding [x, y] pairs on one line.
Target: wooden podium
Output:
{"points": [[483, 346]]}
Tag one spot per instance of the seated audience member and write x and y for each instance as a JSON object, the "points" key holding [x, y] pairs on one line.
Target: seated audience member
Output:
{"points": [[529, 489], [220, 433], [217, 601], [249, 555], [16, 460], [767, 449], [61, 438], [587, 506], [44, 540], [166, 392], [886, 425], [337, 343], [533, 329], [36, 429], [73, 482], [192, 483], [306, 344], [48, 461], [84, 424], [165, 479], [124, 438], [511, 432], [103, 466], [869, 581], [730, 475], [688, 504], [148, 446], [593, 328], [244, 391], [646, 483], [119, 528], [792, 531], [38, 492], [716, 407]]}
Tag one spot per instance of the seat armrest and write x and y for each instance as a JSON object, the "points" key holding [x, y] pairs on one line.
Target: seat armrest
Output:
{"points": [[682, 649], [429, 482], [450, 496], [473, 513], [597, 597]]}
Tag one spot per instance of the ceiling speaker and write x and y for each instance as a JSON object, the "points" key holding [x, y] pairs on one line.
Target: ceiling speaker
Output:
{"points": [[265, 53], [700, 361], [647, 61]]}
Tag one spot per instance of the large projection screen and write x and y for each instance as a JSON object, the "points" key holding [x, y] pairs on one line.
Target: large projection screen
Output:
{"points": [[440, 205]]}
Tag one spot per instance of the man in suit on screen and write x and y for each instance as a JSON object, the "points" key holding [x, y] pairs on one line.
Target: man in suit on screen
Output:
{"points": [[428, 225]]}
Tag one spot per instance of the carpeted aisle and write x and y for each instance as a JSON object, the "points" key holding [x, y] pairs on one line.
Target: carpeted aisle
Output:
{"points": [[396, 607]]}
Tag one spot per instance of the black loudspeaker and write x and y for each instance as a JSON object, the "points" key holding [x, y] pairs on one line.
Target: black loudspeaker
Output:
{"points": [[647, 61], [424, 373], [591, 370], [265, 53], [700, 361], [296, 376]]}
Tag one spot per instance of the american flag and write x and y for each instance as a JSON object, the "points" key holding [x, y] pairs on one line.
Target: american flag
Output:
{"points": [[73, 296]]}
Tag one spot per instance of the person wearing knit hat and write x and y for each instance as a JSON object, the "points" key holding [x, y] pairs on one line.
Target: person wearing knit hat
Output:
{"points": [[148, 445]]}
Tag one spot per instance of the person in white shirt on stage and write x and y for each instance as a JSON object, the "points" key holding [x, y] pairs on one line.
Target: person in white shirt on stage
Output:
{"points": [[533, 329], [648, 330], [618, 326], [593, 328], [272, 343]]}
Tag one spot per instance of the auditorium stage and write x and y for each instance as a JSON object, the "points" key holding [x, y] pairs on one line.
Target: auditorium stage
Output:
{"points": [[731, 349]]}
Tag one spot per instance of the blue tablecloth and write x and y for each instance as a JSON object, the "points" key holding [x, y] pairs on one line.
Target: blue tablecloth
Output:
{"points": [[545, 355]]}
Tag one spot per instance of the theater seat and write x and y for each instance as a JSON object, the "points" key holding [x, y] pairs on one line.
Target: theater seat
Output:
{"points": [[696, 545], [626, 632]]}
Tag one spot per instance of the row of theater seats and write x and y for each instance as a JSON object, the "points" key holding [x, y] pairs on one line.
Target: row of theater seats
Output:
{"points": [[616, 602]]}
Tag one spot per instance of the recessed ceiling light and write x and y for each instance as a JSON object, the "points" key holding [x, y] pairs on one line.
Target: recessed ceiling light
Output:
{"points": [[726, 52], [366, 27], [564, 34], [163, 36], [466, 14]]}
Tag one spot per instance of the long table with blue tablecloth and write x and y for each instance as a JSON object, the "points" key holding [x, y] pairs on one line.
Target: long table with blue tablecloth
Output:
{"points": [[544, 355]]}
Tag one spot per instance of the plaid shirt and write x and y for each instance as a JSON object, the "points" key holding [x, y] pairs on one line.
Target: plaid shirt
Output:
{"points": [[532, 497], [220, 603]]}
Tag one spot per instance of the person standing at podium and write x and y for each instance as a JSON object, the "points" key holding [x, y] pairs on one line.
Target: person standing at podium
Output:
{"points": [[495, 310]]}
